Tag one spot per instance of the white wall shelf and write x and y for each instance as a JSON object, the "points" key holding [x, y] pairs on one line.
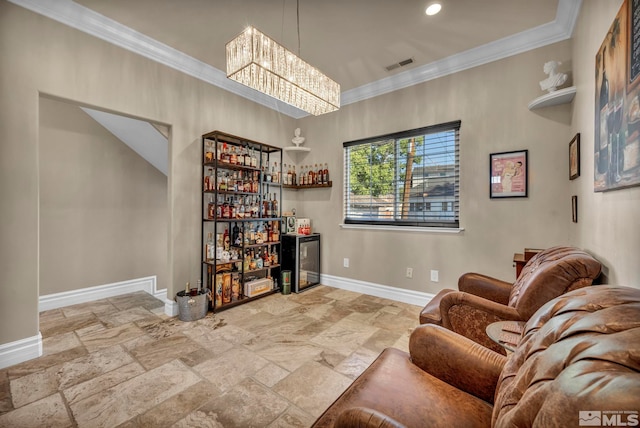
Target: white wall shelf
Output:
{"points": [[296, 149], [561, 96]]}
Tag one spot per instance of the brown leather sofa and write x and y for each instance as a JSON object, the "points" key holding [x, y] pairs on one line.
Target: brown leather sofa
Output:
{"points": [[482, 300], [579, 353]]}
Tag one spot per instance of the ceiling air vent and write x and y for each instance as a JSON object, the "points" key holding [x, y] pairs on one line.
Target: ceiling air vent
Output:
{"points": [[399, 64]]}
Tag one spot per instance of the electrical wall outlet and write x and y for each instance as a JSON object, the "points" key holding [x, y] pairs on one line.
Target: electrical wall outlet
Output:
{"points": [[345, 263], [409, 272], [434, 276]]}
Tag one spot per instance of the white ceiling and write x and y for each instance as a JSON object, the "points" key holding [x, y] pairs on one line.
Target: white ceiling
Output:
{"points": [[352, 41]]}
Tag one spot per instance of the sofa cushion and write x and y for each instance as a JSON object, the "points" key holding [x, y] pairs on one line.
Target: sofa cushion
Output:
{"points": [[397, 388], [579, 353]]}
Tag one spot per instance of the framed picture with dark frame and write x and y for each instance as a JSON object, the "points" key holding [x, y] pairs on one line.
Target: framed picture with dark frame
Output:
{"points": [[508, 174], [574, 208], [574, 157]]}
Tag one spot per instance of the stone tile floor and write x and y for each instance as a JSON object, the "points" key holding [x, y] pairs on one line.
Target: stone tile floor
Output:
{"points": [[276, 362]]}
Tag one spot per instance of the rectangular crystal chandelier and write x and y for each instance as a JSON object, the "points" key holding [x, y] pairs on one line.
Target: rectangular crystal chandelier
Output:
{"points": [[257, 61]]}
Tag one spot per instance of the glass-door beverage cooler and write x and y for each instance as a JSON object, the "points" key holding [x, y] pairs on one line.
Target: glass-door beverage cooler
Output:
{"points": [[301, 255]]}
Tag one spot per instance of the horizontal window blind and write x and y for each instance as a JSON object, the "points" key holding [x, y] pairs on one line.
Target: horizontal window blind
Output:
{"points": [[409, 178]]}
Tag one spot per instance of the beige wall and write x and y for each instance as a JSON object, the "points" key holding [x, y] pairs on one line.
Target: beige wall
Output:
{"points": [[491, 101], [608, 222], [103, 207], [43, 56]]}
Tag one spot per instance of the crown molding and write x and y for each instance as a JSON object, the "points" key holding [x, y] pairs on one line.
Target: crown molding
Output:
{"points": [[86, 20]]}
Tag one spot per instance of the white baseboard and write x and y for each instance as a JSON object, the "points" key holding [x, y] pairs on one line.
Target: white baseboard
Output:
{"points": [[21, 350], [89, 294], [411, 297], [170, 308]]}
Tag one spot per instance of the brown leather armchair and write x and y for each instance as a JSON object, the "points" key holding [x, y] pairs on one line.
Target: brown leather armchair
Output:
{"points": [[482, 300], [579, 353]]}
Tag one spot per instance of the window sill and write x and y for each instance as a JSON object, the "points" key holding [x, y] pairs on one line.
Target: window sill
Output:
{"points": [[453, 230]]}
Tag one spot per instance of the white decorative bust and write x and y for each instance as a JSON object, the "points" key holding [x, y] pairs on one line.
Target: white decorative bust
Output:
{"points": [[297, 140], [555, 79]]}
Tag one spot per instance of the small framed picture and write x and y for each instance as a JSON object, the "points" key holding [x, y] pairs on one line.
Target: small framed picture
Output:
{"points": [[574, 157], [508, 174], [574, 208]]}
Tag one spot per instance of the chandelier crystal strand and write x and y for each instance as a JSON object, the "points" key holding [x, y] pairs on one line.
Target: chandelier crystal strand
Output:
{"points": [[257, 61]]}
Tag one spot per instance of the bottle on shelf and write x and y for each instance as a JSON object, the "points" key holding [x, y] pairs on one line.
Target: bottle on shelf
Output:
{"points": [[325, 174], [208, 180], [294, 178], [224, 157], [210, 252], [254, 159], [211, 208], [274, 206], [235, 234], [303, 175], [240, 156], [311, 178], [208, 154], [233, 157], [219, 208]]}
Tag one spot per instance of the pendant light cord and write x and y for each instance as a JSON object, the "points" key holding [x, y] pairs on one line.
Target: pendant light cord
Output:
{"points": [[298, 19]]}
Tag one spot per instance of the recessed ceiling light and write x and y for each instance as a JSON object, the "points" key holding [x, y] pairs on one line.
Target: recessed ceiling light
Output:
{"points": [[433, 9]]}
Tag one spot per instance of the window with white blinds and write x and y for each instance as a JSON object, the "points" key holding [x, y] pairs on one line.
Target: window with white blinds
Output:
{"points": [[409, 178]]}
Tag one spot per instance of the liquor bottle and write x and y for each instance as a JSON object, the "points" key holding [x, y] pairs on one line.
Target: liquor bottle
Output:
{"points": [[225, 240], [208, 154], [267, 173], [266, 258], [276, 231], [274, 206], [246, 161], [275, 176], [240, 157], [218, 208], [233, 157], [254, 159], [294, 178], [603, 153], [288, 176], [241, 209], [319, 174], [226, 211], [259, 236], [325, 174], [235, 233], [211, 208], [310, 176], [303, 175], [224, 157], [265, 207], [235, 179], [208, 180], [234, 209], [210, 252]]}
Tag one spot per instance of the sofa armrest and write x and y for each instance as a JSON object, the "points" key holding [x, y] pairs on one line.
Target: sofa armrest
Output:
{"points": [[485, 286], [497, 311], [456, 360], [363, 417]]}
